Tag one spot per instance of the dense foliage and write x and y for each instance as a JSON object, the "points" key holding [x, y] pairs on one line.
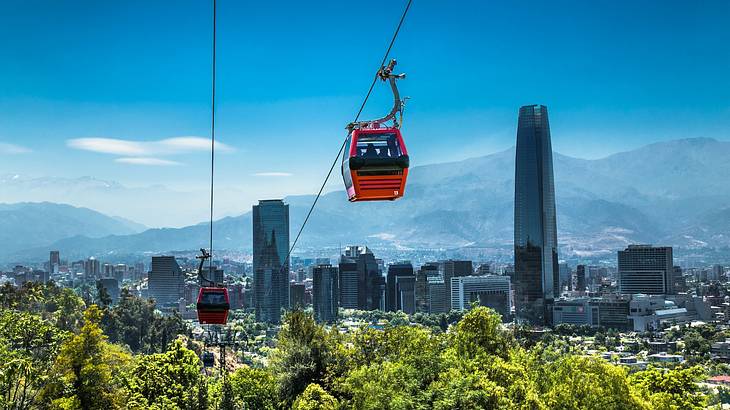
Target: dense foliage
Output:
{"points": [[129, 356]]}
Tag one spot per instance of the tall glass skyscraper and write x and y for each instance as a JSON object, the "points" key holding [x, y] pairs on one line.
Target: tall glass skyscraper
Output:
{"points": [[536, 241], [270, 247]]}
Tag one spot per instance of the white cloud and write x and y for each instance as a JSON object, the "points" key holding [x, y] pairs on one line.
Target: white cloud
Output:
{"points": [[12, 149], [168, 146], [273, 174], [146, 161], [108, 146], [193, 144]]}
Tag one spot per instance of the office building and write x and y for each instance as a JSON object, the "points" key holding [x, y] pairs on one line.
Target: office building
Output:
{"points": [[40, 276], [394, 293], [609, 312], [166, 283], [112, 288], [613, 312], [425, 274], [646, 269], [78, 267], [654, 312], [54, 262], [680, 283], [484, 269], [362, 286], [120, 272], [492, 291], [405, 294], [439, 301], [717, 273], [139, 271], [296, 295], [325, 293], [576, 311], [565, 276], [270, 267], [453, 268], [107, 270], [92, 268], [190, 292], [536, 241], [236, 294], [349, 282], [580, 278]]}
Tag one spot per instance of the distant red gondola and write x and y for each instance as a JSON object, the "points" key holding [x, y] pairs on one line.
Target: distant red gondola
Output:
{"points": [[375, 165], [213, 305]]}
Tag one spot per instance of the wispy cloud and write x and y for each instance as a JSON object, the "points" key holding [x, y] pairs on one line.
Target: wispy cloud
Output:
{"points": [[12, 149], [168, 146], [146, 161], [272, 174]]}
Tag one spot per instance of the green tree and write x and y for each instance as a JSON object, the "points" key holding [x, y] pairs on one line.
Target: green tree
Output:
{"points": [[86, 369], [163, 378], [671, 389], [66, 309], [415, 346], [228, 400], [460, 389], [254, 389], [302, 355], [480, 333], [695, 344], [314, 397], [48, 300], [574, 382], [28, 347], [9, 297], [383, 386], [134, 322]]}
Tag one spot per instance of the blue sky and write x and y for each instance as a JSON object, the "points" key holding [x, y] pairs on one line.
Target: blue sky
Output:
{"points": [[615, 75]]}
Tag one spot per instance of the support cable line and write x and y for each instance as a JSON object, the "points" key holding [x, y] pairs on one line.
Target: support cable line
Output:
{"points": [[212, 145], [213, 302], [344, 142]]}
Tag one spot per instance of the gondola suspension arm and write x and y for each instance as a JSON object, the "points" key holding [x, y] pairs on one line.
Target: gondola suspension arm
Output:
{"points": [[385, 74], [203, 257]]}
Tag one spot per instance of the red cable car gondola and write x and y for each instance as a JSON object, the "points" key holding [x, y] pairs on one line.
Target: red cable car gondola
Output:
{"points": [[213, 303], [376, 165], [375, 162]]}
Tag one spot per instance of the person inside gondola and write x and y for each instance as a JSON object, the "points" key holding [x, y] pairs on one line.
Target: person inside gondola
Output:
{"points": [[393, 147], [214, 298], [370, 151]]}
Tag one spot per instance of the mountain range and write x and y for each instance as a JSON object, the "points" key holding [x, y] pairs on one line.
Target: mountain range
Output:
{"points": [[675, 193], [29, 225]]}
